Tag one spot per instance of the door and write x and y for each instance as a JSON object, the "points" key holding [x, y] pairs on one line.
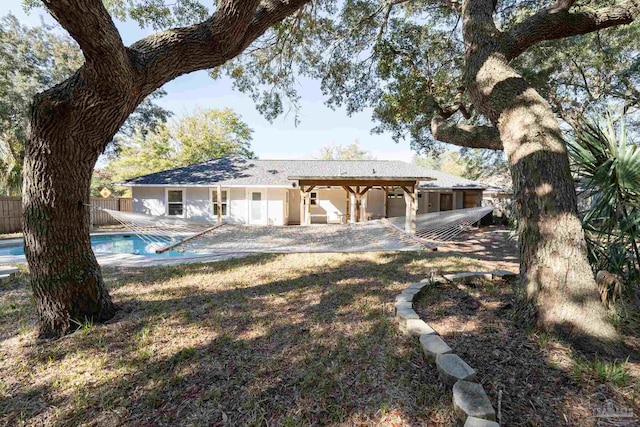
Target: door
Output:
{"points": [[257, 211], [446, 202], [396, 205]]}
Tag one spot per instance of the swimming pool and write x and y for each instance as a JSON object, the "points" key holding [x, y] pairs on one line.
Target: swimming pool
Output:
{"points": [[116, 244]]}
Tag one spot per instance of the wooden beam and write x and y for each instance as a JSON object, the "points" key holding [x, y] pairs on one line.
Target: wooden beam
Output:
{"points": [[365, 190], [407, 191], [171, 246], [302, 210], [357, 194], [348, 210], [354, 182], [410, 213], [386, 201], [219, 203], [308, 213], [348, 189]]}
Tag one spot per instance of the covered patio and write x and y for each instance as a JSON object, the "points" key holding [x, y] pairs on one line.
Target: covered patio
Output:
{"points": [[356, 192]]}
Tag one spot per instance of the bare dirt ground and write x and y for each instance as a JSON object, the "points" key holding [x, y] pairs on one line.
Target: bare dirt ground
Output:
{"points": [[533, 378]]}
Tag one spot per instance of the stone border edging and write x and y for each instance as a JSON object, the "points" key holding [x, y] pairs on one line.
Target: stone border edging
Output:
{"points": [[470, 402]]}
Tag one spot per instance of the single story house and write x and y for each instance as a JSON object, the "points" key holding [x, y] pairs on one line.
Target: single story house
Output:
{"points": [[286, 192]]}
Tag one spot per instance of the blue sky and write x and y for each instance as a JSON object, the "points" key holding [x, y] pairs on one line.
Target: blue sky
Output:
{"points": [[319, 125]]}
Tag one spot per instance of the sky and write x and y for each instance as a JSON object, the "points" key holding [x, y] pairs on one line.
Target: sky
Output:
{"points": [[318, 124]]}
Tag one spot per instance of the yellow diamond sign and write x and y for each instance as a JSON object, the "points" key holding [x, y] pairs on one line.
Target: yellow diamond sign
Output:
{"points": [[105, 192]]}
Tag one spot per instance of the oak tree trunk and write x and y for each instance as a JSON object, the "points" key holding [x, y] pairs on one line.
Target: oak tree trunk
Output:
{"points": [[553, 258], [72, 123], [65, 141]]}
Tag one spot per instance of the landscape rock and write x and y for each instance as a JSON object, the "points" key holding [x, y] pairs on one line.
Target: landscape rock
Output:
{"points": [[470, 400], [433, 346], [418, 286], [402, 304], [479, 422], [452, 368], [405, 314], [418, 327], [463, 276], [506, 274]]}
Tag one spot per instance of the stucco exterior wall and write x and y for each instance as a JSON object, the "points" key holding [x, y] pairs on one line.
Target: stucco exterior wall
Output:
{"points": [[330, 204], [238, 207], [294, 206], [275, 200], [148, 200], [375, 203], [198, 203]]}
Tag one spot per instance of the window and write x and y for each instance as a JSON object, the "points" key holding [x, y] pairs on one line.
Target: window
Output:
{"points": [[175, 202], [224, 202], [314, 198]]}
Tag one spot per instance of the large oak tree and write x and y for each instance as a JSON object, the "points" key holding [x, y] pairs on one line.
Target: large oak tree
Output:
{"points": [[73, 122], [485, 74]]}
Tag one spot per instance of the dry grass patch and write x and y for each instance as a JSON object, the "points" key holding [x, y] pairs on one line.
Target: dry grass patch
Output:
{"points": [[534, 378], [270, 340]]}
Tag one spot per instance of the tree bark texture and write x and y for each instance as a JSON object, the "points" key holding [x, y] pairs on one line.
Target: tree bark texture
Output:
{"points": [[553, 257], [72, 123]]}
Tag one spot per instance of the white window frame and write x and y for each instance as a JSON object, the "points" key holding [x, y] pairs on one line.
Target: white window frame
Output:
{"points": [[213, 191], [184, 200], [313, 198]]}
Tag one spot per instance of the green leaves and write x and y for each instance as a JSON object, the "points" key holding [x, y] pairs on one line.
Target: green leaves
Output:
{"points": [[607, 167], [158, 14], [204, 135]]}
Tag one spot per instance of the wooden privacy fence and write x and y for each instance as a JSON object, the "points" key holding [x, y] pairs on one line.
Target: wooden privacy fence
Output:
{"points": [[11, 212]]}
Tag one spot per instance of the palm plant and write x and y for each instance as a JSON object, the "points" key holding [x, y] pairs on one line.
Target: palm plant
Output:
{"points": [[607, 167]]}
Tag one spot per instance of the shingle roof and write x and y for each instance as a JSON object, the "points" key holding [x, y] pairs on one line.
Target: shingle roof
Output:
{"points": [[445, 180], [235, 171]]}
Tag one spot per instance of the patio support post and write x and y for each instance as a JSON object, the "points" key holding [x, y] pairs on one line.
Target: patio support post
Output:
{"points": [[302, 207], [307, 207], [219, 203], [386, 201], [358, 203], [410, 211], [363, 203], [348, 205]]}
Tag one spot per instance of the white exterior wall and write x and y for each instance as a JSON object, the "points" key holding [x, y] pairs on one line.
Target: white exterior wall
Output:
{"points": [[330, 204], [294, 206], [148, 200], [275, 199], [238, 206], [198, 203], [375, 203]]}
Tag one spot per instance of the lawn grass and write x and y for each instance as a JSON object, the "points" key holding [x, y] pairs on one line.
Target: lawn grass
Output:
{"points": [[290, 340]]}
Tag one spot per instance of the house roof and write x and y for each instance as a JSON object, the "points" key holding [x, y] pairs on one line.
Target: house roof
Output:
{"points": [[236, 171], [445, 180]]}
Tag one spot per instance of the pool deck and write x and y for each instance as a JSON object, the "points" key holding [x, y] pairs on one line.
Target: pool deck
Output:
{"points": [[234, 241]]}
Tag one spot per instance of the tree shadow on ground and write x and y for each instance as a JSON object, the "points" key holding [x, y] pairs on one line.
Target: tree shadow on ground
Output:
{"points": [[533, 377], [268, 340]]}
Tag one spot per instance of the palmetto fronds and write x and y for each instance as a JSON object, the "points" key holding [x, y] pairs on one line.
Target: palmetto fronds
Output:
{"points": [[607, 167]]}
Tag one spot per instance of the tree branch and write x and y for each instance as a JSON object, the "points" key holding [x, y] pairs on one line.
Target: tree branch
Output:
{"points": [[233, 27], [556, 22], [466, 135], [89, 23]]}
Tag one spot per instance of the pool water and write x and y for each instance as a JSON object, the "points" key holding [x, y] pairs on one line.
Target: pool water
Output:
{"points": [[116, 244]]}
